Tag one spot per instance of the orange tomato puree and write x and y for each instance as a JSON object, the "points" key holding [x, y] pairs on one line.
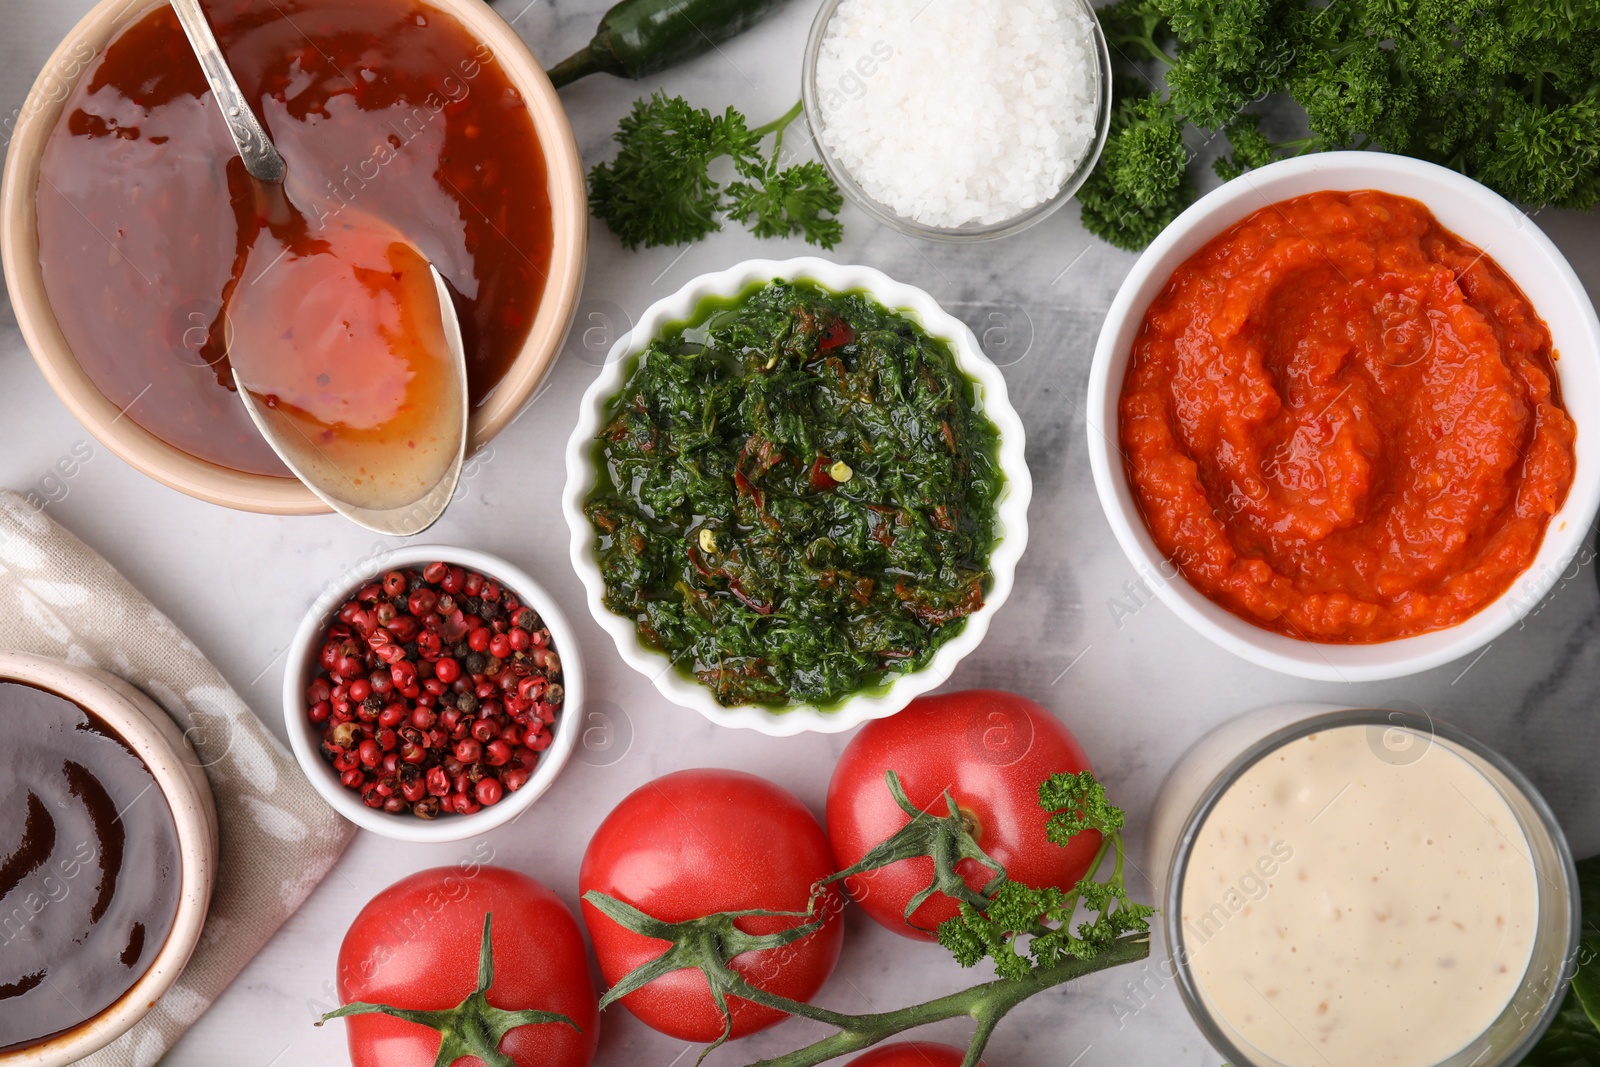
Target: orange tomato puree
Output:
{"points": [[1342, 422]]}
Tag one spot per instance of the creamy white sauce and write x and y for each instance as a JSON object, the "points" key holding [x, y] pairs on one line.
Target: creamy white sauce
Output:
{"points": [[1347, 906]]}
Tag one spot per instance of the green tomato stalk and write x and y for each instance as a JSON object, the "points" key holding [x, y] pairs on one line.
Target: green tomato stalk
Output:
{"points": [[986, 1004], [946, 839], [472, 1028], [1038, 938], [707, 944]]}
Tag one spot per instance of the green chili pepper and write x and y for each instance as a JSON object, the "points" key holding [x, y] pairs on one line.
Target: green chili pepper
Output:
{"points": [[640, 37]]}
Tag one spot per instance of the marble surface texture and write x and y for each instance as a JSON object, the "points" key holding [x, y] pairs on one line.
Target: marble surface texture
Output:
{"points": [[1134, 683]]}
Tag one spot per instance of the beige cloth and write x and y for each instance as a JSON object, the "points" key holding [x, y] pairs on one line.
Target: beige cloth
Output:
{"points": [[58, 598]]}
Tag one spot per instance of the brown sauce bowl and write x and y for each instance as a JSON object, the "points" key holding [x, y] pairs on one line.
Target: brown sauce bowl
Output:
{"points": [[199, 478], [178, 772]]}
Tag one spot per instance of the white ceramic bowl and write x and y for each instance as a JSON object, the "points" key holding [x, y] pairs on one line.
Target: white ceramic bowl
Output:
{"points": [[1012, 507], [305, 736], [1477, 215], [178, 771]]}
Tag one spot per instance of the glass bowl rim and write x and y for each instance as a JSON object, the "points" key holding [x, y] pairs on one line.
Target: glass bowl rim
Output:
{"points": [[1417, 722], [855, 194]]}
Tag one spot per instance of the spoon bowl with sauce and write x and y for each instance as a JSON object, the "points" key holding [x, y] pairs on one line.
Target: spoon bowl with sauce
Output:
{"points": [[346, 351], [342, 340]]}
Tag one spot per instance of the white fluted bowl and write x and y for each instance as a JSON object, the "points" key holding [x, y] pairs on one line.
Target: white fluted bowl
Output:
{"points": [[1012, 508]]}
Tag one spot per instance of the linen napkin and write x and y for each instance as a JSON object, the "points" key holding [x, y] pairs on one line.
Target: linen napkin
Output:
{"points": [[59, 598]]}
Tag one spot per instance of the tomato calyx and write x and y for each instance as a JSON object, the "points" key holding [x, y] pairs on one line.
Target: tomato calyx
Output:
{"points": [[708, 944], [970, 823], [472, 1028], [946, 839]]}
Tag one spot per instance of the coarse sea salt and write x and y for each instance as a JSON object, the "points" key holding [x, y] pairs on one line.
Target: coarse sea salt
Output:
{"points": [[958, 112]]}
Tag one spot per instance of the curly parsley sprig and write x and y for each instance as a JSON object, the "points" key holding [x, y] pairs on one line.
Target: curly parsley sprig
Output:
{"points": [[659, 189], [1044, 916], [1505, 91]]}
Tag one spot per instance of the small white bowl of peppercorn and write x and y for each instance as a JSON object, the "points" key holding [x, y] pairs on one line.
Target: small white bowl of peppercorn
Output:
{"points": [[426, 693]]}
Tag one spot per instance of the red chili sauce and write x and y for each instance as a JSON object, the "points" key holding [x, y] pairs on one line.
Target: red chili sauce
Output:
{"points": [[389, 108], [1342, 422]]}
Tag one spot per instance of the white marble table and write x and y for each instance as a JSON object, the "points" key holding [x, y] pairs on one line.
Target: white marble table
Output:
{"points": [[1131, 680]]}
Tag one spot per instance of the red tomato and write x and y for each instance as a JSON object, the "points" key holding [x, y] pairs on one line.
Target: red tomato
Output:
{"points": [[913, 1054], [699, 842], [990, 750], [415, 945]]}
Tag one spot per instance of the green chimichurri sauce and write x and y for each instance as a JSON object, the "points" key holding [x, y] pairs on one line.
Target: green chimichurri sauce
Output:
{"points": [[796, 496]]}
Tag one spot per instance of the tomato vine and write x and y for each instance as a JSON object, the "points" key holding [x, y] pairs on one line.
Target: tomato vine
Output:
{"points": [[1037, 937]]}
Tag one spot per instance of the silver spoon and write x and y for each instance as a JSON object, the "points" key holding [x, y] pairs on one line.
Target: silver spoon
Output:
{"points": [[395, 505]]}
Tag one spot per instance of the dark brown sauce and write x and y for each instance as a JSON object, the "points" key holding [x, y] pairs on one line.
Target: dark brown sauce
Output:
{"points": [[89, 876], [389, 107]]}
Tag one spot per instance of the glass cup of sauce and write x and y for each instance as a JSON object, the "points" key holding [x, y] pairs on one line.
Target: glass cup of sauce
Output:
{"points": [[1355, 885]]}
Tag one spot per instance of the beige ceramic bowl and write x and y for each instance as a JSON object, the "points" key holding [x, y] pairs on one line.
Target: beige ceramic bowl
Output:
{"points": [[19, 245], [177, 770]]}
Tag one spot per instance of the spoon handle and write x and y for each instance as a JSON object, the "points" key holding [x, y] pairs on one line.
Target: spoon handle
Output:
{"points": [[261, 159]]}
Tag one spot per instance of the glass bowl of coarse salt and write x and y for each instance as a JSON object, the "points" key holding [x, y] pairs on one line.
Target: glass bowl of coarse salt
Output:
{"points": [[958, 120]]}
